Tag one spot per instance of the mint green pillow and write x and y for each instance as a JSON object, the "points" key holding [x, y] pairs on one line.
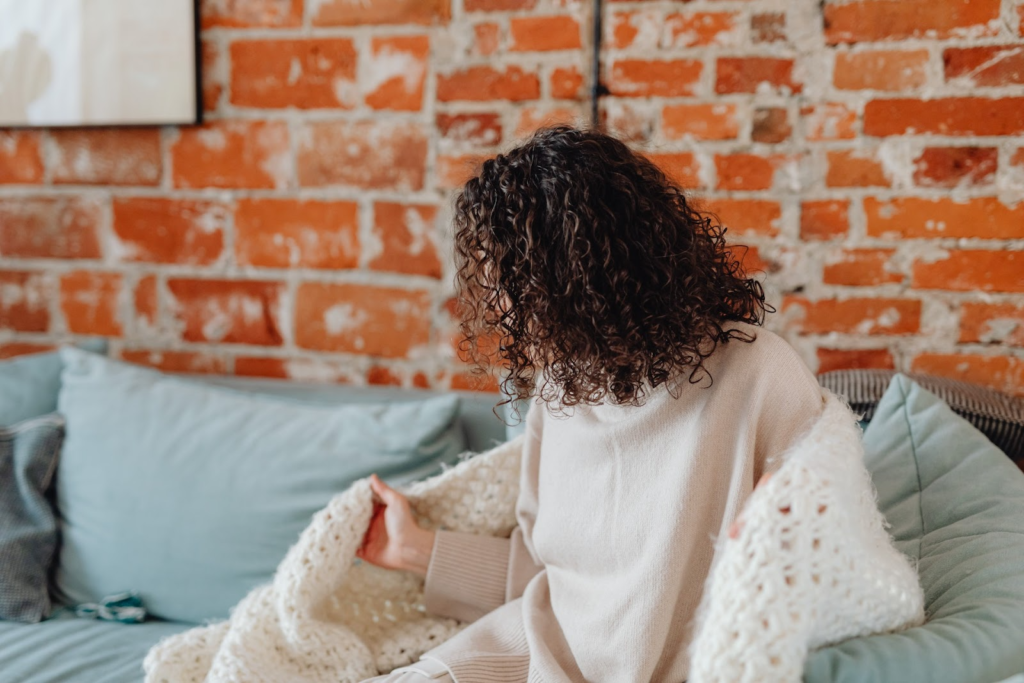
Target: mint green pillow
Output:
{"points": [[191, 494], [29, 384], [956, 505]]}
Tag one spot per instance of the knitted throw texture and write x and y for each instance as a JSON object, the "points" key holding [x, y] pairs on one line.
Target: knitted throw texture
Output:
{"points": [[812, 565]]}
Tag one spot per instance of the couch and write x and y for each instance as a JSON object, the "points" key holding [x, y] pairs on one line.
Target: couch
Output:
{"points": [[976, 602]]}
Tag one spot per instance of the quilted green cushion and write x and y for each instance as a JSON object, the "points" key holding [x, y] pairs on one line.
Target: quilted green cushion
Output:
{"points": [[956, 505]]}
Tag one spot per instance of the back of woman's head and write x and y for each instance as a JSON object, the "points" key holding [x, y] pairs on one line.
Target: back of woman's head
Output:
{"points": [[585, 271]]}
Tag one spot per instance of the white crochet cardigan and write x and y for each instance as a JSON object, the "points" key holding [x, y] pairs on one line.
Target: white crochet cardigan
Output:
{"points": [[812, 565]]}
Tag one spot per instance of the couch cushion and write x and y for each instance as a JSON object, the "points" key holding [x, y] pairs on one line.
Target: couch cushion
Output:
{"points": [[956, 505], [28, 526], [29, 384], [483, 429], [69, 650], [191, 494]]}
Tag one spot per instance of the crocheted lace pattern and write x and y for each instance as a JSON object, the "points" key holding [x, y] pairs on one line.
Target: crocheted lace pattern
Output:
{"points": [[813, 565]]}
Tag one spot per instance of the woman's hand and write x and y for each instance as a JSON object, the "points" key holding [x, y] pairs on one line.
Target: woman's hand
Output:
{"points": [[394, 540]]}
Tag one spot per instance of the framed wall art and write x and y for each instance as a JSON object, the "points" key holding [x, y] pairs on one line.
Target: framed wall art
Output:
{"points": [[98, 62]]}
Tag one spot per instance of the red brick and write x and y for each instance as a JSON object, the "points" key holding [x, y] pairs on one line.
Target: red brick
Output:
{"points": [[544, 33], [852, 316], [824, 219], [860, 268], [24, 301], [889, 70], [360, 12], [247, 366], [985, 323], [747, 216], [250, 13], [214, 67], [482, 83], [293, 233], [855, 168], [1003, 373], [147, 301], [15, 349], [406, 239], [159, 230], [701, 28], [379, 375], [626, 29], [634, 124], [453, 171], [649, 78], [869, 20], [829, 121], [21, 159], [354, 318], [681, 167], [971, 271], [746, 171], [991, 65], [497, 5], [487, 38], [770, 125], [90, 302], [751, 259], [984, 217], [362, 154], [949, 116], [232, 154], [107, 156], [1017, 159], [566, 83], [397, 70], [955, 166], [700, 121], [475, 129], [50, 227], [228, 311], [191, 362], [854, 359], [309, 73], [768, 27], [747, 74], [533, 118]]}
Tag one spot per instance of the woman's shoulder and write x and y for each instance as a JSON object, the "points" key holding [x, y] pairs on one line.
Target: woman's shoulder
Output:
{"points": [[768, 354]]}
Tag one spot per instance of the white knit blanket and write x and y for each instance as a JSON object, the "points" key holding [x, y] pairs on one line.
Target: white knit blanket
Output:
{"points": [[812, 565]]}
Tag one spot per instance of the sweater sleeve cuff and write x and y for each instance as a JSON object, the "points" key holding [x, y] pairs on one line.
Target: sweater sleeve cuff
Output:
{"points": [[466, 576]]}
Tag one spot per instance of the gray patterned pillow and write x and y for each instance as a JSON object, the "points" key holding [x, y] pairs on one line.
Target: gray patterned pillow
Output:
{"points": [[998, 416], [28, 525]]}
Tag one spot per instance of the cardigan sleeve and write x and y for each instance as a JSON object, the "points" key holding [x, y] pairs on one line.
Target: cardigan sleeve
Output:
{"points": [[471, 574]]}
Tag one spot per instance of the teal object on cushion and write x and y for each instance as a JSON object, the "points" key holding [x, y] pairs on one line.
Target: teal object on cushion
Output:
{"points": [[66, 649], [191, 494], [956, 504], [29, 384]]}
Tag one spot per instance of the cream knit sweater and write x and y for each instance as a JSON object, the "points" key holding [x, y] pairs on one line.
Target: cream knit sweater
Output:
{"points": [[585, 564], [617, 514]]}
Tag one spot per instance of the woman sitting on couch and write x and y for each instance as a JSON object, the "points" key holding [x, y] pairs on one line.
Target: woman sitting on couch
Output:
{"points": [[656, 403]]}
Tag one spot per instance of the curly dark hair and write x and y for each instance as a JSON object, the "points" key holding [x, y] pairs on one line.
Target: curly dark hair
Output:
{"points": [[579, 259]]}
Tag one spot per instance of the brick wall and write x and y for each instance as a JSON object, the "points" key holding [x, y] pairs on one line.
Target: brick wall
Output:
{"points": [[870, 152]]}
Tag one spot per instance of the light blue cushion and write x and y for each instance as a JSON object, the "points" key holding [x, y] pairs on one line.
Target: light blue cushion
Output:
{"points": [[191, 494], [29, 384], [956, 505], [69, 650]]}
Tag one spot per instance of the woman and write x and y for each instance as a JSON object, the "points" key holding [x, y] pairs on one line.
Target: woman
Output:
{"points": [[655, 404]]}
